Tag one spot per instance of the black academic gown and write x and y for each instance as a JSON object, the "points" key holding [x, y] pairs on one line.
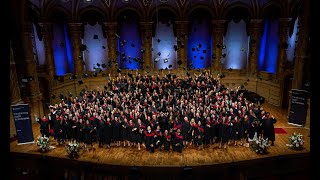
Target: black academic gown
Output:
{"points": [[177, 142], [166, 141], [44, 127], [149, 141], [268, 128]]}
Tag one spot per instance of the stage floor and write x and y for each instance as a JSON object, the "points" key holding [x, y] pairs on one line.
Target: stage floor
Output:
{"points": [[130, 156]]}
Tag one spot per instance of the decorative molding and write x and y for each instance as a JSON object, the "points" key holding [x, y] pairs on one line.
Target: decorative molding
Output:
{"points": [[182, 2], [107, 2], [146, 2]]}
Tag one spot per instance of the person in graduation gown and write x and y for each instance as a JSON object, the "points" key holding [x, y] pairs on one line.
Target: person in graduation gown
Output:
{"points": [[107, 131], [51, 117], [131, 133], [139, 132], [149, 134], [177, 144], [185, 127], [79, 131], [166, 140], [100, 127], [44, 125], [61, 131], [56, 125], [74, 128], [224, 132], [116, 130], [245, 126], [199, 134], [87, 135], [208, 135], [236, 129], [124, 131], [268, 127], [158, 138]]}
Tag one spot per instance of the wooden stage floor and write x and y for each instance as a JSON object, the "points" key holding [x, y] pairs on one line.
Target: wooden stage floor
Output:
{"points": [[212, 155]]}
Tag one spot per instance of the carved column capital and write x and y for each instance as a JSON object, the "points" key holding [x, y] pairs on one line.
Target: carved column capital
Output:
{"points": [[255, 25], [218, 24], [146, 26], [74, 27], [110, 25], [182, 24]]}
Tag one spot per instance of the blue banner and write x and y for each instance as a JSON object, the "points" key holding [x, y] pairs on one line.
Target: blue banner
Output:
{"points": [[23, 123]]}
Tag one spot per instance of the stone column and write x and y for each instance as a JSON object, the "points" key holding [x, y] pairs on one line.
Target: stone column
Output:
{"points": [[75, 31], [255, 30], [182, 33], [35, 96], [111, 29], [146, 35], [284, 24], [46, 31], [15, 97], [302, 47], [218, 29]]}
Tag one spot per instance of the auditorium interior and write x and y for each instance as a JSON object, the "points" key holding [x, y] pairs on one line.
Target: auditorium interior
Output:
{"points": [[256, 49]]}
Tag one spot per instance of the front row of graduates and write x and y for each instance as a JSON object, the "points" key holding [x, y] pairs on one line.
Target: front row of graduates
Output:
{"points": [[180, 135]]}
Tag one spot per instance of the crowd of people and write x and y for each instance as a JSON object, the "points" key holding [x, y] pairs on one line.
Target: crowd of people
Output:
{"points": [[158, 113]]}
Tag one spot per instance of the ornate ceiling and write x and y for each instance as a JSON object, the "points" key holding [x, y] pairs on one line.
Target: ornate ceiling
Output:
{"points": [[109, 10]]}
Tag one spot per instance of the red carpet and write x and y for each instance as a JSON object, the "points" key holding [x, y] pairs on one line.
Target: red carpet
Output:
{"points": [[279, 131]]}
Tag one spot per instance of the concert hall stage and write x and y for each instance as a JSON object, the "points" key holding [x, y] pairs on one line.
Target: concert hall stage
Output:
{"points": [[234, 162]]}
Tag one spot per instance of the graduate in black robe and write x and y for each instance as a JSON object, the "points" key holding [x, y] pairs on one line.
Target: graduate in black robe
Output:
{"points": [[56, 125], [139, 129], [158, 138], [166, 140], [254, 128], [236, 129], [61, 131], [149, 134], [224, 132], [199, 135], [116, 131], [131, 133], [125, 131], [87, 135], [177, 143], [268, 127], [185, 127], [44, 125], [51, 118], [74, 129], [100, 127], [245, 126], [107, 132], [80, 125], [208, 135]]}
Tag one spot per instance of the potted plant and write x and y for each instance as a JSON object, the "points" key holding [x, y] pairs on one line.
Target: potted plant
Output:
{"points": [[43, 143], [296, 141], [73, 149], [259, 145]]}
